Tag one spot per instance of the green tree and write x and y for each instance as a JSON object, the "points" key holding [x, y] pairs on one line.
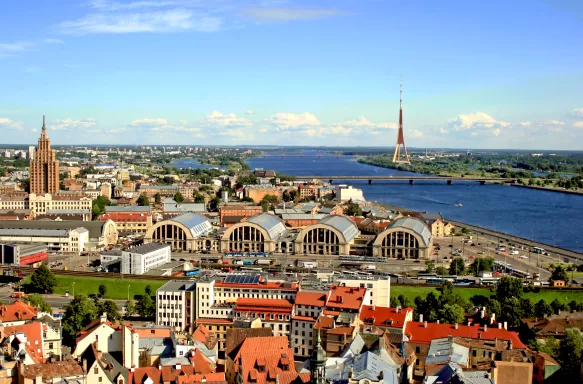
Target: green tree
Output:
{"points": [[557, 306], [442, 271], [353, 209], [110, 309], [157, 198], [146, 307], [78, 313], [451, 314], [482, 264], [178, 197], [559, 273], [404, 302], [143, 201], [198, 198], [509, 287], [549, 346], [42, 280], [570, 354], [395, 302], [102, 290], [24, 184], [148, 290], [542, 309], [37, 300], [429, 266], [457, 267], [130, 307]]}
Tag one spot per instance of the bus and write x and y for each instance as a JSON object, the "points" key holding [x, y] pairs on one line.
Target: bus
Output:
{"points": [[427, 276], [489, 280], [538, 250], [522, 274]]}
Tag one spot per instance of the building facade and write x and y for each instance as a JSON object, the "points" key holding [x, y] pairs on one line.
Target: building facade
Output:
{"points": [[44, 167], [140, 259]]}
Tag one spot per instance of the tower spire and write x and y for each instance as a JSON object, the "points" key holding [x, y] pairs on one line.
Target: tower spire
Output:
{"points": [[401, 136], [44, 123]]}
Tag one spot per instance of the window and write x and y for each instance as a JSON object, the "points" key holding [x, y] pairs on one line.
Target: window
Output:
{"points": [[474, 353], [417, 349], [96, 370], [100, 379], [50, 345]]}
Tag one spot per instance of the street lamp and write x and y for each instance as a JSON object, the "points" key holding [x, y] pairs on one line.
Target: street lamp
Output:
{"points": [[128, 292], [73, 284]]}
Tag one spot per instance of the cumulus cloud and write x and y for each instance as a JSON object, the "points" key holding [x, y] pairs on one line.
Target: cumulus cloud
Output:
{"points": [[228, 120], [475, 123], [578, 124], [285, 121], [271, 15], [577, 112], [171, 20], [65, 124], [10, 124], [363, 125]]}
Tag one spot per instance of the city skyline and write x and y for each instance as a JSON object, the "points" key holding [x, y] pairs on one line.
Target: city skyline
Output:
{"points": [[278, 72]]}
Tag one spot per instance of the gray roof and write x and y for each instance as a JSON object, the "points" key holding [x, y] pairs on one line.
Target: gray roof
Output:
{"points": [[302, 216], [67, 211], [368, 366], [444, 350], [119, 208], [95, 228], [271, 223], [342, 224], [415, 225], [34, 232], [172, 206], [176, 285], [147, 248], [198, 224], [453, 373]]}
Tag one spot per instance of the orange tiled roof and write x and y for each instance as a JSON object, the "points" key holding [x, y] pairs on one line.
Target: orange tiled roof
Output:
{"points": [[217, 377], [384, 316], [171, 374], [324, 322], [345, 297], [271, 303], [262, 359], [89, 328], [153, 332], [123, 217], [34, 337], [58, 370], [17, 311], [293, 378], [418, 333], [267, 285], [315, 299], [202, 334]]}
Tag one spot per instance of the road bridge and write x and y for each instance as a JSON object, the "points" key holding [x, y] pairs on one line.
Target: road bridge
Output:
{"points": [[412, 179]]}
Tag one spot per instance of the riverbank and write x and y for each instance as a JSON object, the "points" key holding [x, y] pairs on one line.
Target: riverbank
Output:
{"points": [[553, 189]]}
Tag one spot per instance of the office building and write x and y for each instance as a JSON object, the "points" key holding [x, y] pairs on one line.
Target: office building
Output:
{"points": [[140, 259], [44, 167]]}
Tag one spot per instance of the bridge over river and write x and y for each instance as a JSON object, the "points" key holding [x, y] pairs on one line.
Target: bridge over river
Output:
{"points": [[412, 179]]}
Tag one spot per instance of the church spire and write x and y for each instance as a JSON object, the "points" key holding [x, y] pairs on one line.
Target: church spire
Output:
{"points": [[44, 123]]}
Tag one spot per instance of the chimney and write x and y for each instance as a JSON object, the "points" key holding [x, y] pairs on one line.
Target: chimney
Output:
{"points": [[85, 365], [159, 367], [178, 366], [373, 307], [425, 324], [437, 321], [505, 325], [485, 327], [499, 325], [482, 313], [456, 325], [421, 318], [492, 318], [103, 317]]}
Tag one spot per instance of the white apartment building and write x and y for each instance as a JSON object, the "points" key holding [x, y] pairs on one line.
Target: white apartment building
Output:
{"points": [[175, 305], [140, 259], [347, 192], [379, 288], [56, 240]]}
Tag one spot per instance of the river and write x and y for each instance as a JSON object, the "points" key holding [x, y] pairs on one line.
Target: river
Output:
{"points": [[548, 217]]}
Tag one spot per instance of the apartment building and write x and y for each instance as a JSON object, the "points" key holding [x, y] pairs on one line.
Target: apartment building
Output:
{"points": [[176, 305], [140, 259], [274, 313]]}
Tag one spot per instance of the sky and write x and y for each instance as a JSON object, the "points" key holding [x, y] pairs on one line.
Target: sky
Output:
{"points": [[476, 74]]}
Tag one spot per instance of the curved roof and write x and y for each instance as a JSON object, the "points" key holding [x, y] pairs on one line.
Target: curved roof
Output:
{"points": [[413, 224], [197, 224], [271, 223], [96, 228], [342, 224]]}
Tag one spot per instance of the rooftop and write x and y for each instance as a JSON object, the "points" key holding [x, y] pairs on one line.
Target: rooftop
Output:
{"points": [[415, 225], [343, 224], [132, 208], [147, 248], [384, 316]]}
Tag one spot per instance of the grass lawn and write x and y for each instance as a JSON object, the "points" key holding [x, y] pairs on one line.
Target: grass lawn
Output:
{"points": [[547, 295], [116, 288]]}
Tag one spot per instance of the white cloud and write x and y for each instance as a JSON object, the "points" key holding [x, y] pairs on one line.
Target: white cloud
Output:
{"points": [[10, 124], [171, 20], [228, 120], [249, 112], [577, 112], [53, 41], [292, 121], [65, 124], [416, 134], [153, 124], [553, 122], [11, 49], [106, 5], [289, 14], [476, 123], [578, 124], [116, 130], [443, 130]]}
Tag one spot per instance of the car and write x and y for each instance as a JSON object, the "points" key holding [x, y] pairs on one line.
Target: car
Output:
{"points": [[514, 252], [473, 244], [523, 257]]}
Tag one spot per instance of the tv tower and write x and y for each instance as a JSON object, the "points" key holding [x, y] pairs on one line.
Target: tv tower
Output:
{"points": [[401, 136]]}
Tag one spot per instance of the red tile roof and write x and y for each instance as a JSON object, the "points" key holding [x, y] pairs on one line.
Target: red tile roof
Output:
{"points": [[315, 299], [89, 328], [384, 316], [293, 378], [418, 333], [213, 321], [345, 297], [324, 322], [270, 303], [267, 285], [17, 311], [124, 217], [172, 374], [34, 337], [263, 359], [145, 333], [58, 370], [341, 331], [202, 334]]}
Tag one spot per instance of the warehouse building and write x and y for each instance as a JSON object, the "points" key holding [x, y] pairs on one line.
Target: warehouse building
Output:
{"points": [[404, 238], [183, 233], [23, 254]]}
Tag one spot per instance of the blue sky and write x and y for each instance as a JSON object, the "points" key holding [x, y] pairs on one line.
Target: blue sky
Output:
{"points": [[495, 74]]}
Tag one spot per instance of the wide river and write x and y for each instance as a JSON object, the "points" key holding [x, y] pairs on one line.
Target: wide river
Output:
{"points": [[549, 217]]}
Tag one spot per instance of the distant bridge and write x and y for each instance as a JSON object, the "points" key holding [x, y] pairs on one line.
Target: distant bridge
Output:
{"points": [[412, 179], [319, 155]]}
